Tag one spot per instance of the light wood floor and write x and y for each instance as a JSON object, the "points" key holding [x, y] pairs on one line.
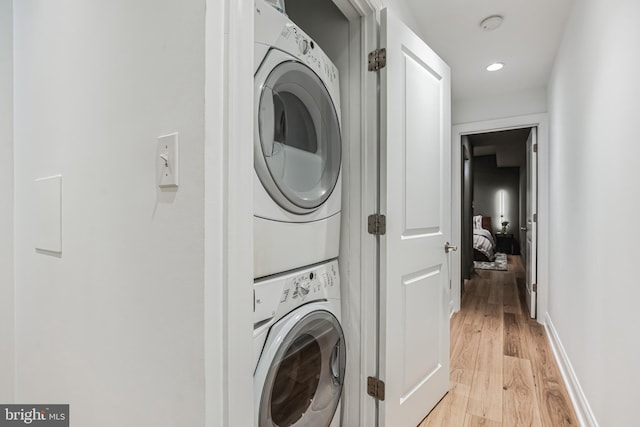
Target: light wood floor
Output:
{"points": [[502, 369]]}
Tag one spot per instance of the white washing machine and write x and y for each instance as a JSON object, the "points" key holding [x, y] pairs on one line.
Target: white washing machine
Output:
{"points": [[297, 147], [300, 350]]}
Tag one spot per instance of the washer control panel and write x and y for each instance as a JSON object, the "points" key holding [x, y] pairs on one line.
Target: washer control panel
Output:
{"points": [[279, 295]]}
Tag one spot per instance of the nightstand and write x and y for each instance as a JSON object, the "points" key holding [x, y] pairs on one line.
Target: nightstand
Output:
{"points": [[505, 243]]}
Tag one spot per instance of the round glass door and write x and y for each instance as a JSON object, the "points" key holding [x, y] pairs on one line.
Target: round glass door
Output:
{"points": [[304, 383], [298, 147]]}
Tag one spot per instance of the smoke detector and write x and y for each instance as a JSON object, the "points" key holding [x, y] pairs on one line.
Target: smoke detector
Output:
{"points": [[492, 22]]}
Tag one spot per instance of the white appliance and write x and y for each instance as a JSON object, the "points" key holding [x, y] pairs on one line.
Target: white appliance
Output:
{"points": [[299, 349], [297, 147]]}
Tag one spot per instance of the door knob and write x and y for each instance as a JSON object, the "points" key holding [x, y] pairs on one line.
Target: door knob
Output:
{"points": [[523, 228], [448, 247]]}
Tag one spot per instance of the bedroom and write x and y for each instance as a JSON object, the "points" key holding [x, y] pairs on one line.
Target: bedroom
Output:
{"points": [[494, 198]]}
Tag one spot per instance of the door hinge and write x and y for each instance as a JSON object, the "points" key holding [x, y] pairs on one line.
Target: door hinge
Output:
{"points": [[377, 224], [377, 59], [375, 388], [535, 217], [535, 287], [535, 148]]}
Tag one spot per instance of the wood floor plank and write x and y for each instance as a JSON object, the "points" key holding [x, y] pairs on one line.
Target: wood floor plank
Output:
{"points": [[456, 321], [484, 286], [489, 358], [475, 421], [472, 305], [513, 337], [475, 313], [485, 397], [496, 292], [451, 410], [510, 300], [464, 354], [493, 316], [519, 396]]}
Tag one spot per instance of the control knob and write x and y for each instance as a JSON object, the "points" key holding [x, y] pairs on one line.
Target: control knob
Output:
{"points": [[303, 44], [304, 288]]}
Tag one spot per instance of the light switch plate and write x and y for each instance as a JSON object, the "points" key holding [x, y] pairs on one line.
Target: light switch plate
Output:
{"points": [[168, 161]]}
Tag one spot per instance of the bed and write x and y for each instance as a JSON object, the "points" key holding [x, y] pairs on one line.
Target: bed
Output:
{"points": [[484, 243]]}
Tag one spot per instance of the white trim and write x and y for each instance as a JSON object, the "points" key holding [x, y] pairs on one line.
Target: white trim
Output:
{"points": [[542, 122], [351, 9], [358, 250], [456, 220], [239, 214], [213, 217], [585, 415], [362, 7], [353, 215], [368, 243], [228, 236]]}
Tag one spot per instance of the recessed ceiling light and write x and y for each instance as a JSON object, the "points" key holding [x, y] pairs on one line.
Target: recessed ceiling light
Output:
{"points": [[492, 22], [495, 66]]}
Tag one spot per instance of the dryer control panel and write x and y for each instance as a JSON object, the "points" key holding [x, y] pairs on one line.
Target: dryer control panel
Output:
{"points": [[277, 296], [298, 43]]}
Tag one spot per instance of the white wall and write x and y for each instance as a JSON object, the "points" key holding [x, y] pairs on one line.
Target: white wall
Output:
{"points": [[404, 10], [594, 99], [533, 101], [6, 203], [113, 326]]}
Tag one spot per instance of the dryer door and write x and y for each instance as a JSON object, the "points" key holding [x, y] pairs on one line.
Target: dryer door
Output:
{"points": [[297, 147], [304, 380]]}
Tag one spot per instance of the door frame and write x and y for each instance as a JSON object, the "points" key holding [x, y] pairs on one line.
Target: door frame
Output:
{"points": [[358, 266], [228, 208], [541, 121], [228, 242], [531, 235]]}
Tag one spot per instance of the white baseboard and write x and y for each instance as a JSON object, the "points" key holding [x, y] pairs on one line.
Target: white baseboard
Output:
{"points": [[577, 396]]}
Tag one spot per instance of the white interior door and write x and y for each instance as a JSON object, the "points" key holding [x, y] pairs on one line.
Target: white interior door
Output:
{"points": [[415, 195], [531, 253]]}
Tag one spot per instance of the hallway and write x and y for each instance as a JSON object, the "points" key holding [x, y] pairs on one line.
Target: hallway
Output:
{"points": [[503, 372]]}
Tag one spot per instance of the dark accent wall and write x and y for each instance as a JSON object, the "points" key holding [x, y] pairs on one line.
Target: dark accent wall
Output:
{"points": [[326, 25], [488, 181]]}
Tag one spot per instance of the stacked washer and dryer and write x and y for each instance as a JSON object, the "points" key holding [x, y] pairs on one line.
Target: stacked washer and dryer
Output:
{"points": [[300, 351]]}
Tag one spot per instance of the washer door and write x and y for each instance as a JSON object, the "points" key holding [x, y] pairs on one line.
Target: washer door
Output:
{"points": [[304, 381], [297, 143]]}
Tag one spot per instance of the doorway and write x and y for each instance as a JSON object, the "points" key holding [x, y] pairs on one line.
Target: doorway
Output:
{"points": [[463, 134], [496, 177]]}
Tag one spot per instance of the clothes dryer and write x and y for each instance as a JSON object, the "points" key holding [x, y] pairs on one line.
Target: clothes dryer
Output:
{"points": [[300, 350], [297, 147]]}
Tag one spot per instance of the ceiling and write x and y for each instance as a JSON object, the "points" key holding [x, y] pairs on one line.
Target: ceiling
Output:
{"points": [[526, 42], [508, 146]]}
